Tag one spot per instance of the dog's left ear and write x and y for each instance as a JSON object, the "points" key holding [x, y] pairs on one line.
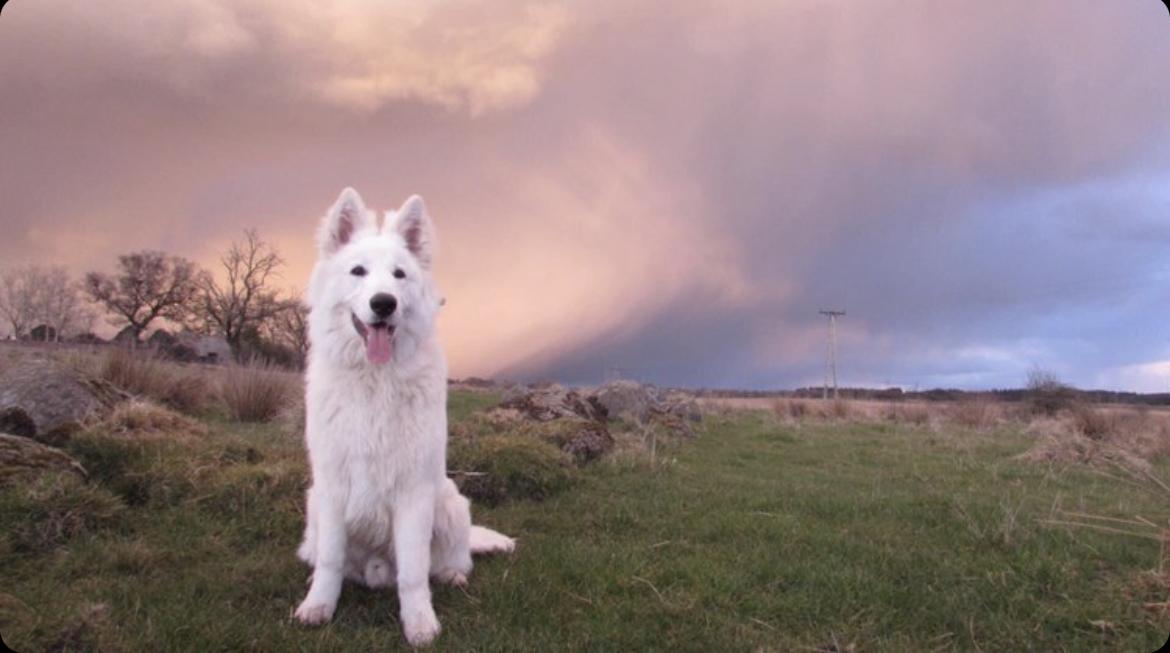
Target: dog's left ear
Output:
{"points": [[414, 225]]}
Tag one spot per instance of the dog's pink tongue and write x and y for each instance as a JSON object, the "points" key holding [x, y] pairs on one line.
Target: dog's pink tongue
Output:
{"points": [[378, 346]]}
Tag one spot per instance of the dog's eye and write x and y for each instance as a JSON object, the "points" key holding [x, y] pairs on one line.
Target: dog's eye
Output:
{"points": [[399, 274], [358, 271]]}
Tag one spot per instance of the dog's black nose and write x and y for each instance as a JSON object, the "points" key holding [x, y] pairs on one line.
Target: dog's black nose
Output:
{"points": [[383, 304]]}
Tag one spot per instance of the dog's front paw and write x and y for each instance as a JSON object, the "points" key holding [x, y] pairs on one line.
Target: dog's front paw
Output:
{"points": [[421, 626], [314, 614]]}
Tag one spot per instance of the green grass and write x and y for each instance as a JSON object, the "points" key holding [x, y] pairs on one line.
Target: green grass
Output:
{"points": [[460, 405], [756, 536]]}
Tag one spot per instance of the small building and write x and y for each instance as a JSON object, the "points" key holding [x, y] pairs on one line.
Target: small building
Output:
{"points": [[127, 336], [207, 349], [43, 333]]}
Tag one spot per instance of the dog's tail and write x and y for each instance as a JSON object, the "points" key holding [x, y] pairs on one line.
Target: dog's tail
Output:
{"points": [[485, 540]]}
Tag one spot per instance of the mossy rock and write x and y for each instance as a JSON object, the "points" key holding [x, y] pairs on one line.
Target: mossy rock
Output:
{"points": [[583, 440], [22, 458], [497, 468]]}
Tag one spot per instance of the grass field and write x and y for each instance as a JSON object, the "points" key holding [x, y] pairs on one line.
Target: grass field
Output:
{"points": [[759, 535]]}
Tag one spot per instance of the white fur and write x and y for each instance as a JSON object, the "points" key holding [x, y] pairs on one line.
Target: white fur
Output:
{"points": [[381, 510]]}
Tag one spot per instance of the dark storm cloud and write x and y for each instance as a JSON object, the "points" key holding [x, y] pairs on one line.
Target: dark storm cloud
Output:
{"points": [[673, 189]]}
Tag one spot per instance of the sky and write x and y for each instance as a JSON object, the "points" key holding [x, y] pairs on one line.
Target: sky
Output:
{"points": [[666, 190]]}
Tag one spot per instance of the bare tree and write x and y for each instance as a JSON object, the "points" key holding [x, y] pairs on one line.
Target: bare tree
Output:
{"points": [[288, 328], [148, 285], [19, 299], [245, 300], [60, 303], [35, 296]]}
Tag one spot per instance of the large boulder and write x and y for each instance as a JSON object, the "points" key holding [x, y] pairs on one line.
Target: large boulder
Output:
{"points": [[627, 399], [48, 402], [682, 405], [21, 458], [640, 402]]}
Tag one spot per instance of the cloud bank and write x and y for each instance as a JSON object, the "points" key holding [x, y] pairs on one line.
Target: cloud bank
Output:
{"points": [[673, 189]]}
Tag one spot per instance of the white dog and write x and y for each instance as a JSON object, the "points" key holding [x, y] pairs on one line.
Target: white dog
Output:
{"points": [[381, 508]]}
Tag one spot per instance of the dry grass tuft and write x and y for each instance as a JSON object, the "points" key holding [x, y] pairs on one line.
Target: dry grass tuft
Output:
{"points": [[142, 418], [170, 384], [797, 410], [979, 412], [792, 409], [258, 392], [906, 413], [1100, 436]]}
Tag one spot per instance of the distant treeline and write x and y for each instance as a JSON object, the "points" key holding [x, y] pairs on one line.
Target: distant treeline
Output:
{"points": [[897, 394], [946, 394]]}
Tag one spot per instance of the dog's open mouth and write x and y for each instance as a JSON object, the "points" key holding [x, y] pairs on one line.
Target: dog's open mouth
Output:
{"points": [[379, 339]]}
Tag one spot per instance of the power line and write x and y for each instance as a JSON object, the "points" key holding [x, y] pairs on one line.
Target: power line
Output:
{"points": [[831, 355]]}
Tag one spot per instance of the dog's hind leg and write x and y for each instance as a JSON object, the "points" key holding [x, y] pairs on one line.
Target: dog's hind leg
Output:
{"points": [[450, 546], [485, 540]]}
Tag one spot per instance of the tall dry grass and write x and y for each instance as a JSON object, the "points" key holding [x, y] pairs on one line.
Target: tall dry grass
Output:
{"points": [[1106, 436], [791, 409], [257, 392], [979, 412], [976, 413], [173, 385]]}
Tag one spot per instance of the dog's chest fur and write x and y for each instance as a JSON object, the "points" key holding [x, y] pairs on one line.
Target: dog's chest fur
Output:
{"points": [[379, 434]]}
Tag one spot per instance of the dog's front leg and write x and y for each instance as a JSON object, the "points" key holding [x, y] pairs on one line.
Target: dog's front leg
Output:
{"points": [[414, 517], [320, 602]]}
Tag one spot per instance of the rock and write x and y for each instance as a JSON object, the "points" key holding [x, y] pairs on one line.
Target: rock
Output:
{"points": [[48, 402], [584, 440], [673, 424], [553, 402], [627, 399], [16, 421], [683, 405], [22, 457]]}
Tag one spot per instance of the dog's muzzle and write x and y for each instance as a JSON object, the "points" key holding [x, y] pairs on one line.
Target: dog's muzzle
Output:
{"points": [[378, 337]]}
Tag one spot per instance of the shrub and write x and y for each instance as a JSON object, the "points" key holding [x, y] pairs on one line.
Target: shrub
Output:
{"points": [[497, 468], [257, 393], [1047, 394], [1091, 423]]}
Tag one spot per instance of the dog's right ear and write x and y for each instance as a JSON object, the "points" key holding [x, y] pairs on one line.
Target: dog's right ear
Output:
{"points": [[345, 218]]}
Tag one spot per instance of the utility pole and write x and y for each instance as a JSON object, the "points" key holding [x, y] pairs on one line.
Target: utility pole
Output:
{"points": [[831, 355]]}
